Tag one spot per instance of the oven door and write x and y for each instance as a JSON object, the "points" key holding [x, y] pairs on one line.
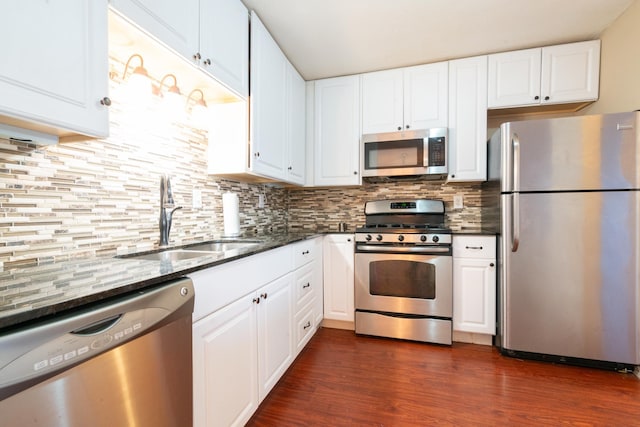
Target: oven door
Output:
{"points": [[404, 283]]}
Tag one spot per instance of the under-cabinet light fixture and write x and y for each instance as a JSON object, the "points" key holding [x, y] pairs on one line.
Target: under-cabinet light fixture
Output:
{"points": [[199, 111], [138, 84]]}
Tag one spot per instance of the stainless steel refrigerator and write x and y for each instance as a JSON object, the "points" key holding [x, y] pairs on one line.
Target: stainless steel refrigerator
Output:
{"points": [[570, 228]]}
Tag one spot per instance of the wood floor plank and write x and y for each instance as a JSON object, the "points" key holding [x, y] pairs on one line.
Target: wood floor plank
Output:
{"points": [[341, 379]]}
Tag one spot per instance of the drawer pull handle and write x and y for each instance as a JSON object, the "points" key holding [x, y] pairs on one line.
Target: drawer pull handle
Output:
{"points": [[474, 247], [308, 325], [256, 300], [263, 296], [305, 252], [306, 286]]}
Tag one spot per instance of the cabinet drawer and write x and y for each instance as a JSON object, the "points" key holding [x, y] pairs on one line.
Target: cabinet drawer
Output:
{"points": [[474, 247], [303, 252], [304, 285], [305, 327]]}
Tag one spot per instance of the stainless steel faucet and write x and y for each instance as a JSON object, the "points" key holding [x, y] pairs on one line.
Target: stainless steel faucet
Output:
{"points": [[167, 208]]}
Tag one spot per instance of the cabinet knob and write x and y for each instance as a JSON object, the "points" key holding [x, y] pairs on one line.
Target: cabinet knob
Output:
{"points": [[348, 240], [453, 176], [407, 126], [263, 296], [491, 265], [105, 101], [197, 56], [256, 300], [546, 98], [207, 61], [399, 127], [290, 168], [355, 172], [536, 97]]}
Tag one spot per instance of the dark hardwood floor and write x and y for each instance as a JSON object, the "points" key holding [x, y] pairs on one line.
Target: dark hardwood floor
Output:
{"points": [[341, 379]]}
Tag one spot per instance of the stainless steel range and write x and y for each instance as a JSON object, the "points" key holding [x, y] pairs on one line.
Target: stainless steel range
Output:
{"points": [[403, 269]]}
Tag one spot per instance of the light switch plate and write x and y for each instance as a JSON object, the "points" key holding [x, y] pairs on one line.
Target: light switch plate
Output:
{"points": [[196, 202], [457, 202]]}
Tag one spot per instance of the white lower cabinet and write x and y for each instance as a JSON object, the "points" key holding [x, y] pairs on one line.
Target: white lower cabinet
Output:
{"points": [[225, 365], [338, 268], [251, 319], [474, 284], [274, 304]]}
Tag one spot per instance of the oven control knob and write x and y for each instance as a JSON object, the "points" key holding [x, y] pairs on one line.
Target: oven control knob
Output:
{"points": [[435, 239], [423, 238], [400, 238], [379, 237], [368, 238]]}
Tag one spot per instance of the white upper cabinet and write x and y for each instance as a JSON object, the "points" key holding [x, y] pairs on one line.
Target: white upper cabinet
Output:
{"points": [[570, 72], [277, 110], [468, 119], [549, 75], [175, 24], [268, 103], [405, 98], [224, 42], [336, 131], [54, 67], [214, 34], [296, 138]]}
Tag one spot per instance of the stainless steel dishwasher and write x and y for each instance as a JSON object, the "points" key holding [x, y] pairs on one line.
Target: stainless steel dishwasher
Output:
{"points": [[122, 362]]}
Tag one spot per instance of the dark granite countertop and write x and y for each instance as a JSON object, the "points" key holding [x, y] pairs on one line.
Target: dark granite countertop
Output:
{"points": [[35, 293]]}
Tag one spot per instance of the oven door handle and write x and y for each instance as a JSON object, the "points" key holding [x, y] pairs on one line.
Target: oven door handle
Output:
{"points": [[405, 249]]}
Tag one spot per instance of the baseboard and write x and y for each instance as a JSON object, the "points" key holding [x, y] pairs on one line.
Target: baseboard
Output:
{"points": [[472, 338], [338, 324]]}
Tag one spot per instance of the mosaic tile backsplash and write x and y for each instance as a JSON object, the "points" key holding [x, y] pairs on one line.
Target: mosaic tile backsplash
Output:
{"points": [[101, 197]]}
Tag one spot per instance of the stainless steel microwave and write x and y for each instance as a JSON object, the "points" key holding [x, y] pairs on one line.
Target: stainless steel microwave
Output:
{"points": [[418, 152]]}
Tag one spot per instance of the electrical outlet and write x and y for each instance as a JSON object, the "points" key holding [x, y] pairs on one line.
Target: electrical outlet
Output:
{"points": [[457, 202], [196, 201], [260, 201]]}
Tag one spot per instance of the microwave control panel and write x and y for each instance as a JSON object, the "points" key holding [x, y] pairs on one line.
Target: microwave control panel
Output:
{"points": [[437, 151]]}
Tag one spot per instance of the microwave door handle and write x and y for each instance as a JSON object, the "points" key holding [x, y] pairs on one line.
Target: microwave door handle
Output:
{"points": [[425, 152]]}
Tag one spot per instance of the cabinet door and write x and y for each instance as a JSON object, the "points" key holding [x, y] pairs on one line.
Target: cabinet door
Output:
{"points": [[224, 42], [382, 101], [337, 131], [268, 103], [225, 362], [275, 332], [474, 295], [296, 113], [468, 119], [175, 24], [338, 265], [514, 78], [54, 66], [426, 96], [570, 72]]}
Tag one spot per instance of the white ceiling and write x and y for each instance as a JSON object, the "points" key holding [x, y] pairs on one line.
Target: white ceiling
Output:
{"points": [[326, 38]]}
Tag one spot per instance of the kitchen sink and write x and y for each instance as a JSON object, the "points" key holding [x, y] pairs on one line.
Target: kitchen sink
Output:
{"points": [[171, 255], [222, 246]]}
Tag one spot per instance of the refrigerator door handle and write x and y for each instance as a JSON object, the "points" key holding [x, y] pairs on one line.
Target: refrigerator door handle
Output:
{"points": [[515, 143], [515, 222]]}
